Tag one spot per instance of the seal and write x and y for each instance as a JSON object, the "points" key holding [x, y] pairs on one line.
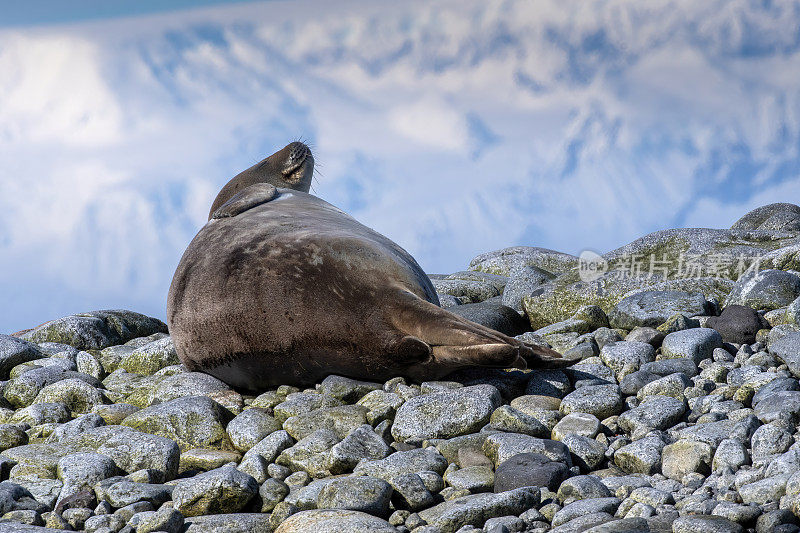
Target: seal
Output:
{"points": [[281, 287], [291, 167]]}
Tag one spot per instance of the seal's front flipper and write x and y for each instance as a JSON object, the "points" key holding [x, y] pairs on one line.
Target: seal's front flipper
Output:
{"points": [[247, 198]]}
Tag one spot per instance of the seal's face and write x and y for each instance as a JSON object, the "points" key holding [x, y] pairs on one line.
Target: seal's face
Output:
{"points": [[296, 166]]}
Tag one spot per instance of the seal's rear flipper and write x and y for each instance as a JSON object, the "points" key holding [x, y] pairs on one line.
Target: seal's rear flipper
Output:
{"points": [[457, 342], [247, 198]]}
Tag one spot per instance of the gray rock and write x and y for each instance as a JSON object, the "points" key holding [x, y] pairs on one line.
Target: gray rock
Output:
{"points": [[479, 478], [165, 519], [22, 390], [150, 358], [76, 394], [777, 217], [631, 384], [96, 330], [298, 403], [507, 418], [778, 405], [81, 471], [272, 492], [585, 507], [764, 490], [601, 401], [103, 523], [366, 494], [122, 492], [249, 427], [582, 488], [229, 523], [672, 385], [651, 336], [651, 308], [224, 490], [361, 443], [493, 315], [766, 289], [522, 281], [341, 420], [310, 453], [334, 521], [410, 492], [500, 447], [787, 350], [626, 357], [705, 524], [468, 290], [590, 373], [740, 514], [529, 470], [189, 384], [695, 344], [445, 414], [587, 453], [41, 413], [769, 440], [408, 462], [731, 454], [192, 422], [576, 424], [346, 389], [715, 432], [666, 367], [548, 383], [268, 449], [642, 456], [505, 261], [685, 456], [738, 324], [15, 351], [14, 497], [475, 509]]}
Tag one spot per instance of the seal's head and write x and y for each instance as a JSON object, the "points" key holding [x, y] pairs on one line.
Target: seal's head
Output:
{"points": [[291, 167]]}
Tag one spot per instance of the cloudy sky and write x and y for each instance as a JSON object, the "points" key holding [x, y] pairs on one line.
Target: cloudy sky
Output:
{"points": [[452, 127]]}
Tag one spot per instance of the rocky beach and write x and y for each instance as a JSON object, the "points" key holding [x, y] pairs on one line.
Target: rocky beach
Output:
{"points": [[680, 413]]}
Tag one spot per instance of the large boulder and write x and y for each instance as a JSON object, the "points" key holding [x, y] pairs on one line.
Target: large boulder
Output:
{"points": [[694, 260], [96, 330], [504, 261], [14, 351], [653, 308], [776, 217], [766, 289]]}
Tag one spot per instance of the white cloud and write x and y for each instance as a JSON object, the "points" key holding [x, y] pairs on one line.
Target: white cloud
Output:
{"points": [[52, 89], [454, 128]]}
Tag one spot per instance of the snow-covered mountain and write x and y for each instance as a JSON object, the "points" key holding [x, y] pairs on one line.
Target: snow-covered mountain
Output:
{"points": [[453, 127]]}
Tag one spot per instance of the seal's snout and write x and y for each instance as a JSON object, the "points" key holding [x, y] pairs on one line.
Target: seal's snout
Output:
{"points": [[298, 152], [297, 163]]}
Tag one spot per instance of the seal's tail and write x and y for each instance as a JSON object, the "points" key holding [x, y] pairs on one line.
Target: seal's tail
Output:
{"points": [[457, 342]]}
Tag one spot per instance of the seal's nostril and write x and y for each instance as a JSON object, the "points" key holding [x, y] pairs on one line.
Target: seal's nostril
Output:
{"points": [[298, 152]]}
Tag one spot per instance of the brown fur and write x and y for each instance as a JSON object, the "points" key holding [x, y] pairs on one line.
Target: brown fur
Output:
{"points": [[294, 289]]}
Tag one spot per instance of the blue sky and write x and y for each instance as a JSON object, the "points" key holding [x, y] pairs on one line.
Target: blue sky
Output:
{"points": [[453, 127], [38, 12]]}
